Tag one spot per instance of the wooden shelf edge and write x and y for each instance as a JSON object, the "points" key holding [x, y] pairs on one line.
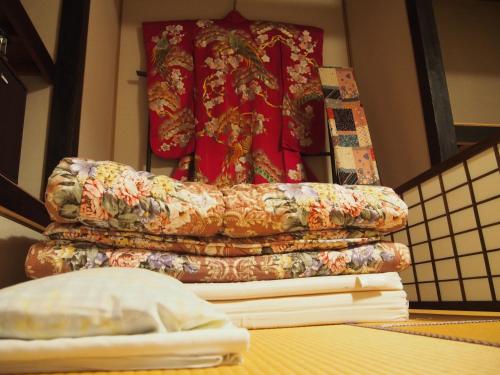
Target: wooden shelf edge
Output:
{"points": [[457, 306], [28, 209], [478, 124]]}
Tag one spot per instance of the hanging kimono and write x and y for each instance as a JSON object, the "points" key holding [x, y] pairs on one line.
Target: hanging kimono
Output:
{"points": [[244, 97]]}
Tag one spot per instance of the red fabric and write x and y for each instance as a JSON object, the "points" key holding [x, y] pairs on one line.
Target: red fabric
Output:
{"points": [[238, 94]]}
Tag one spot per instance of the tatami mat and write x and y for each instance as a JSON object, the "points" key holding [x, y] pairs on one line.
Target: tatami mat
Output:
{"points": [[481, 331], [342, 349]]}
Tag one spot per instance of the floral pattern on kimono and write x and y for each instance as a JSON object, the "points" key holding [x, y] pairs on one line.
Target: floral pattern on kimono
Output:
{"points": [[243, 96]]}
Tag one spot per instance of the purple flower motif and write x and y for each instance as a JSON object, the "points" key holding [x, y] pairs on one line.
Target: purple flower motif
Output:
{"points": [[159, 261], [298, 191], [83, 168], [387, 256], [312, 269], [190, 268], [95, 258], [155, 207], [100, 259], [362, 256]]}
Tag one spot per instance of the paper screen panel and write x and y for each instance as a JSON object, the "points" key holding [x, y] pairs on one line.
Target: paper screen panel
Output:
{"points": [[428, 292], [454, 232], [446, 269], [492, 237], [443, 248], [482, 163], [468, 242], [453, 177], [430, 188], [421, 253], [450, 290], [435, 207]]}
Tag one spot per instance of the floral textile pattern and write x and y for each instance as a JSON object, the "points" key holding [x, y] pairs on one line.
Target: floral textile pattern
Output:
{"points": [[111, 195], [114, 196], [215, 245], [265, 209], [172, 109], [254, 90], [52, 257]]}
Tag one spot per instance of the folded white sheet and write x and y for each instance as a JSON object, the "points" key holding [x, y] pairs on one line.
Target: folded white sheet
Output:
{"points": [[294, 311], [334, 308], [296, 287], [187, 349]]}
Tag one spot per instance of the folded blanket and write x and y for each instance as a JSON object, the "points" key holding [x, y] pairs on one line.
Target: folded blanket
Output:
{"points": [[329, 239], [296, 287], [252, 210], [52, 257], [114, 196]]}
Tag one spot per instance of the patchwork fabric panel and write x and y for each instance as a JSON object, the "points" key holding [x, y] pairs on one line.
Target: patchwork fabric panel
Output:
{"points": [[352, 146]]}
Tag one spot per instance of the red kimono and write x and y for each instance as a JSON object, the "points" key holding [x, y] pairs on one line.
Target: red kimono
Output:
{"points": [[243, 96]]}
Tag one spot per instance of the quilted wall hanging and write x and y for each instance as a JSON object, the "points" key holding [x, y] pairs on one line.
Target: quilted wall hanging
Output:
{"points": [[350, 137]]}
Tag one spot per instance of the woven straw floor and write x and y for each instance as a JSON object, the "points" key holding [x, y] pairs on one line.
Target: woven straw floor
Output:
{"points": [[354, 349]]}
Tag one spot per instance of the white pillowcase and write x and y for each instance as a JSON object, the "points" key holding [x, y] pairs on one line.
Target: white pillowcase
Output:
{"points": [[104, 301]]}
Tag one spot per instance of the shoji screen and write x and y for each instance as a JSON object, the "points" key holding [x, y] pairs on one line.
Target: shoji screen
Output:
{"points": [[454, 232]]}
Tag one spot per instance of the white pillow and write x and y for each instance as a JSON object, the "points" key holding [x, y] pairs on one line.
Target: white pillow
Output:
{"points": [[102, 301]]}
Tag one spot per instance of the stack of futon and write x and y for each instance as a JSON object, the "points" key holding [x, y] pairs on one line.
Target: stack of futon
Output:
{"points": [[248, 237]]}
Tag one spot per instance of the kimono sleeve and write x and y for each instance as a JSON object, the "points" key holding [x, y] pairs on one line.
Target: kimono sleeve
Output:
{"points": [[303, 108], [170, 83]]}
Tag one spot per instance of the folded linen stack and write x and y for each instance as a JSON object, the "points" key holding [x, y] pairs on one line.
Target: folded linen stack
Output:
{"points": [[309, 301], [112, 319], [109, 215]]}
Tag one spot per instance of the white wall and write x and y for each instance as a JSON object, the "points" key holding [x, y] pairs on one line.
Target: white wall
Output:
{"points": [[384, 66], [97, 121]]}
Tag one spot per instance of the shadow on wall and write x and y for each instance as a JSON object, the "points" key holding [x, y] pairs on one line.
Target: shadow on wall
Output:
{"points": [[13, 252], [468, 36]]}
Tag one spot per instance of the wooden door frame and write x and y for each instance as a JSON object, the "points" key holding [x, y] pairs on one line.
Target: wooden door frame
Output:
{"points": [[64, 125], [440, 130]]}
